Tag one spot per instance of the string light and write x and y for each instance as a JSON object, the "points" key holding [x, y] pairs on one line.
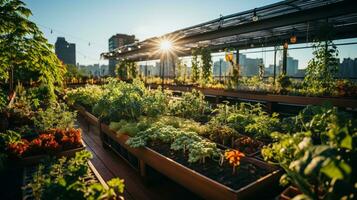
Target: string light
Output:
{"points": [[293, 37], [255, 16]]}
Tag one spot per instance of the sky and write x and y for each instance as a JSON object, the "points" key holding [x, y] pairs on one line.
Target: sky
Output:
{"points": [[95, 21], [90, 23]]}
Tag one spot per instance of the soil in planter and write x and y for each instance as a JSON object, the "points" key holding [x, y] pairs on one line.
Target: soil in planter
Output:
{"points": [[246, 173]]}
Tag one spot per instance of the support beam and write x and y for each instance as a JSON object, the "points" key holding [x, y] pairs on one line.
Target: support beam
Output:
{"points": [[274, 64], [285, 54]]}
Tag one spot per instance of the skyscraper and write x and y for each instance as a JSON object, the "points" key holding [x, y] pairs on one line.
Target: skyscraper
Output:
{"points": [[65, 51], [292, 66], [114, 42]]}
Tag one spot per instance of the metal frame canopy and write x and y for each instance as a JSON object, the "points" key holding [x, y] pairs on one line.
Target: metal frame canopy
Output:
{"points": [[270, 25]]}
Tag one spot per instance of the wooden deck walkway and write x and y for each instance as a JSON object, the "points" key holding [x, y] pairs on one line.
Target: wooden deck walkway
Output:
{"points": [[110, 166]]}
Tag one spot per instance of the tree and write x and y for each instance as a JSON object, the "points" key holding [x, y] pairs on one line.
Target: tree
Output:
{"points": [[24, 52]]}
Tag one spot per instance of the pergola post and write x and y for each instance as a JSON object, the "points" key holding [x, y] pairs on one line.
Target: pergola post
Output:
{"points": [[146, 71], [285, 54], [220, 70], [274, 64], [237, 63]]}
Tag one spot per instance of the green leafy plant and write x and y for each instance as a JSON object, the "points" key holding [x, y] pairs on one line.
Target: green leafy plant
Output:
{"points": [[55, 116], [86, 96], [319, 162], [206, 64], [192, 105], [195, 69], [246, 118], [198, 148], [322, 69], [23, 49], [129, 102], [3, 100], [126, 70], [67, 179]]}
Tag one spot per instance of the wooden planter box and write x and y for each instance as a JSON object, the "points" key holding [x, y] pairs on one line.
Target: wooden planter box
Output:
{"points": [[89, 117], [28, 172], [350, 102], [197, 183], [32, 160], [289, 193]]}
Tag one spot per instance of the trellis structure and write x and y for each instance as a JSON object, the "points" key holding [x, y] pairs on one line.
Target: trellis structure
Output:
{"points": [[278, 24]]}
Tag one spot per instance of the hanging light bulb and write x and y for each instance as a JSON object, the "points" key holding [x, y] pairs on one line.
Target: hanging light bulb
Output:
{"points": [[129, 48], [293, 37], [255, 16]]}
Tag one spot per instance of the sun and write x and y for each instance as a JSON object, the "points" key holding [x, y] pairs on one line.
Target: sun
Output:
{"points": [[165, 45]]}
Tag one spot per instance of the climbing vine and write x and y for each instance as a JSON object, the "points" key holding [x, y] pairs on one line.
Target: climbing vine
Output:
{"points": [[322, 69], [206, 64], [126, 70], [195, 73]]}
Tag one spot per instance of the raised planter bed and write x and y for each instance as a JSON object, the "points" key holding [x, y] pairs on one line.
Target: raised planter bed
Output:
{"points": [[117, 144], [200, 184], [31, 160], [289, 193], [28, 175], [89, 117], [272, 98], [192, 180]]}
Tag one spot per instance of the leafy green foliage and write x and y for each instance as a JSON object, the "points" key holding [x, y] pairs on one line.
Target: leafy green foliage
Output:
{"points": [[86, 96], [322, 68], [206, 64], [246, 118], [23, 48], [195, 73], [67, 179], [131, 128], [321, 160], [286, 150], [55, 116], [126, 70], [191, 105], [3, 100], [198, 148], [129, 102]]}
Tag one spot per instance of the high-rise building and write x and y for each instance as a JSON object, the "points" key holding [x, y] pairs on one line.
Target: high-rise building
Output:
{"points": [[116, 41], [65, 51], [249, 66], [292, 66], [220, 68], [348, 68]]}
